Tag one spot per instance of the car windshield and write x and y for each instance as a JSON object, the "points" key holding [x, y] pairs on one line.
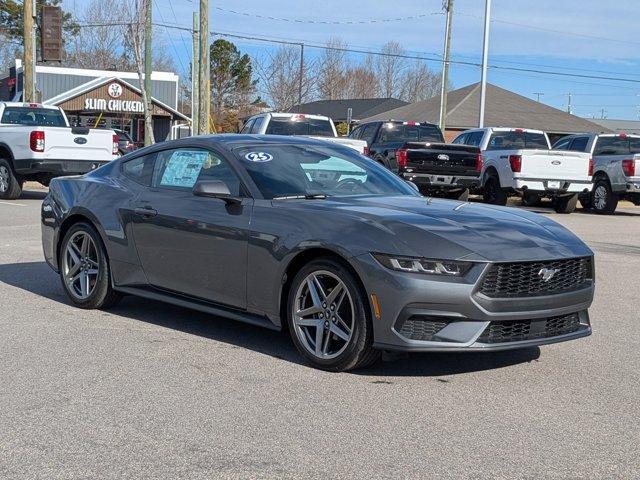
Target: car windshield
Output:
{"points": [[33, 116], [516, 139], [295, 125], [397, 132], [281, 170]]}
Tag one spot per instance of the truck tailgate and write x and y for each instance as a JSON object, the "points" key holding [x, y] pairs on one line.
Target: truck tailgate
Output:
{"points": [[554, 164], [442, 158], [78, 143]]}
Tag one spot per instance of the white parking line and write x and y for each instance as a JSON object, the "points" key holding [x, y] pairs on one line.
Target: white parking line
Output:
{"points": [[14, 204]]}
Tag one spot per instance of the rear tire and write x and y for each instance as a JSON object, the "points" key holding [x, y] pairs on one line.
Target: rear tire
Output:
{"points": [[531, 199], [585, 201], [603, 199], [566, 204], [335, 339], [10, 184], [84, 269], [493, 193]]}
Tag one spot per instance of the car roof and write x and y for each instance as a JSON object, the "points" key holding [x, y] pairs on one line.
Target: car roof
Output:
{"points": [[30, 105]]}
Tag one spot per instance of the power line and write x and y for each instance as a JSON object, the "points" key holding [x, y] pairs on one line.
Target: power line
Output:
{"points": [[329, 22], [405, 56]]}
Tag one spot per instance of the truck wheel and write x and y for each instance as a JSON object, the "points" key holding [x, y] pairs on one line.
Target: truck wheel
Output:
{"points": [[603, 199], [493, 193], [531, 199], [10, 185], [585, 201], [566, 204]]}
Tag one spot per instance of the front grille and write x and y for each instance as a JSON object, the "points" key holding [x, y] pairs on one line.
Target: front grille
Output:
{"points": [[525, 279], [421, 327], [519, 330]]}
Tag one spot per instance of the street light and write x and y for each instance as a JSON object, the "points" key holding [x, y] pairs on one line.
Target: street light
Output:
{"points": [[485, 58]]}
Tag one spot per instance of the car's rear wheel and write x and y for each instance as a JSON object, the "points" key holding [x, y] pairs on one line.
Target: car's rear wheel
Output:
{"points": [[10, 184], [531, 199], [84, 269], [603, 199], [327, 317], [493, 193], [566, 204]]}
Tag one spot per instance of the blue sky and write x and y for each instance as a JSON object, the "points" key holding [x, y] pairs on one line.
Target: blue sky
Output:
{"points": [[588, 37]]}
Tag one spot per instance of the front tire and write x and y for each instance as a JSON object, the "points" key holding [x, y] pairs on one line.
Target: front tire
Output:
{"points": [[10, 184], [566, 204], [603, 200], [327, 317], [84, 269], [493, 193]]}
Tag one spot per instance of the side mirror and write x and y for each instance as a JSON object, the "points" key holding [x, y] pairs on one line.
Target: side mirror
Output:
{"points": [[413, 185], [214, 189]]}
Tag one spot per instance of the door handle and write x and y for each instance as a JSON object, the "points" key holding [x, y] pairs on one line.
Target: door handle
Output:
{"points": [[145, 212]]}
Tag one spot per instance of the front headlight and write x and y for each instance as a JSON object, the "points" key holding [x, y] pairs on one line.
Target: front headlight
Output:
{"points": [[428, 266]]}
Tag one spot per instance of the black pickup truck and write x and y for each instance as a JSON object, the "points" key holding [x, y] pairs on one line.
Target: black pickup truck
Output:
{"points": [[418, 152]]}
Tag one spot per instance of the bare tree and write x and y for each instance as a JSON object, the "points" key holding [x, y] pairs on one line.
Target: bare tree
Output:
{"points": [[332, 81], [136, 12], [280, 77], [9, 52], [419, 83], [389, 68], [362, 81], [101, 45]]}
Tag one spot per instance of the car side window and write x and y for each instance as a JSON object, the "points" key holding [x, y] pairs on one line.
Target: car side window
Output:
{"points": [[579, 144], [461, 139], [356, 133], [247, 126], [474, 139], [140, 169], [369, 132], [181, 168], [257, 125], [562, 144]]}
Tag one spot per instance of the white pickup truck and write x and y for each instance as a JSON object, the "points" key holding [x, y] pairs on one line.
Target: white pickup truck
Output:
{"points": [[520, 162], [37, 143], [314, 126]]}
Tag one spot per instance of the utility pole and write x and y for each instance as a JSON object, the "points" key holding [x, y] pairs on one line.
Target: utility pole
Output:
{"points": [[538, 95], [485, 60], [204, 82], [448, 6], [148, 118], [195, 75], [301, 74], [569, 103], [28, 63]]}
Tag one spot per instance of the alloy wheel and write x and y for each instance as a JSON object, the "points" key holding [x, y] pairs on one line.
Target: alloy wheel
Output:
{"points": [[600, 197], [80, 265], [323, 315], [4, 179]]}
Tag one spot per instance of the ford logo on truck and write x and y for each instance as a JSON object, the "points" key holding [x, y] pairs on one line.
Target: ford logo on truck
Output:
{"points": [[442, 156], [80, 140]]}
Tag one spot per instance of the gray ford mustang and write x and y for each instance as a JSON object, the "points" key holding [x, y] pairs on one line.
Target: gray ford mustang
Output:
{"points": [[301, 234]]}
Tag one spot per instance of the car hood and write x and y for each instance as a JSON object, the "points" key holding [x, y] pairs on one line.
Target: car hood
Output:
{"points": [[451, 229]]}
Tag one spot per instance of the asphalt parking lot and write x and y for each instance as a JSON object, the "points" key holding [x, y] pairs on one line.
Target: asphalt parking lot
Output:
{"points": [[148, 390]]}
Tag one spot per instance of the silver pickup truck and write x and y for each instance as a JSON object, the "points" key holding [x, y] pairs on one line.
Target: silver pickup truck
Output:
{"points": [[616, 168]]}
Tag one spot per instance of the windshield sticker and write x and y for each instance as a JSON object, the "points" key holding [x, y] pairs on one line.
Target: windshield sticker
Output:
{"points": [[258, 157]]}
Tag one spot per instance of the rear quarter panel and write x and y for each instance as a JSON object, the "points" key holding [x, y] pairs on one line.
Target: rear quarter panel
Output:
{"points": [[103, 201]]}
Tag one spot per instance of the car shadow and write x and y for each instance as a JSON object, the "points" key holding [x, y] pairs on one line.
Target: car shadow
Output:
{"points": [[33, 194], [38, 278]]}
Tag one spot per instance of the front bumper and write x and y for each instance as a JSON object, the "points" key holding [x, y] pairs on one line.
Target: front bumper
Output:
{"points": [[441, 182], [550, 186], [56, 166], [466, 316]]}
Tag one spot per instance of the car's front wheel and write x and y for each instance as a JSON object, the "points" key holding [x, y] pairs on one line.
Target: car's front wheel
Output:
{"points": [[84, 268], [327, 317]]}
